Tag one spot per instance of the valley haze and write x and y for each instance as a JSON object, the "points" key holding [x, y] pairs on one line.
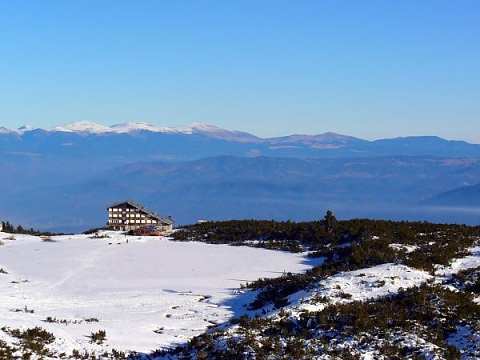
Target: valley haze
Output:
{"points": [[63, 178]]}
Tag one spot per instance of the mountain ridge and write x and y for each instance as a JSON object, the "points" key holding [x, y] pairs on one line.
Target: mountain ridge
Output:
{"points": [[140, 141], [468, 195], [64, 179], [227, 187], [192, 128]]}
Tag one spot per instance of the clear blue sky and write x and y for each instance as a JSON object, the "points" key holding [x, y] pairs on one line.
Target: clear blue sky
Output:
{"points": [[370, 69]]}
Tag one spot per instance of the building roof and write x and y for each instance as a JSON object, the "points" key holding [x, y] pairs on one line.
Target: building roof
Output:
{"points": [[152, 214]]}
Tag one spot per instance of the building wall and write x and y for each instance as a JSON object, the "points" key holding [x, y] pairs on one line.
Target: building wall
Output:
{"points": [[127, 217]]}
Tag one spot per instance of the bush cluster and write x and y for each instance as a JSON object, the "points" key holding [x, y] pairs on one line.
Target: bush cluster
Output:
{"points": [[31, 341], [345, 245], [393, 327], [387, 326]]}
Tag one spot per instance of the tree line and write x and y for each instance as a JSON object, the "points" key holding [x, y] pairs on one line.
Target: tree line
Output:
{"points": [[7, 227]]}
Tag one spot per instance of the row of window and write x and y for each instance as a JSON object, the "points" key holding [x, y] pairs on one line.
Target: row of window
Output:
{"points": [[128, 215], [118, 221], [122, 210]]}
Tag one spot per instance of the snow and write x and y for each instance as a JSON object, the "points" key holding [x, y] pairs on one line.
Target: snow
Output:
{"points": [[462, 338], [88, 127], [194, 127], [4, 130], [147, 294], [137, 126], [374, 282], [377, 281], [360, 285], [93, 128], [24, 129], [406, 248], [82, 126], [467, 262]]}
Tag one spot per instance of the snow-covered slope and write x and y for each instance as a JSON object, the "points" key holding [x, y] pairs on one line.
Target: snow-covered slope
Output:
{"points": [[146, 293], [88, 127], [82, 127], [215, 132], [129, 127], [137, 126], [152, 293], [4, 130]]}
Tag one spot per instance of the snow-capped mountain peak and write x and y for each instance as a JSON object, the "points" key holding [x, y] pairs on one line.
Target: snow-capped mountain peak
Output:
{"points": [[88, 127], [94, 128], [25, 128], [137, 126], [20, 131], [4, 130], [196, 127], [82, 127], [216, 132]]}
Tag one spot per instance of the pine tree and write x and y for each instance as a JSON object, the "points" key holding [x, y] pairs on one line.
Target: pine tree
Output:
{"points": [[329, 221]]}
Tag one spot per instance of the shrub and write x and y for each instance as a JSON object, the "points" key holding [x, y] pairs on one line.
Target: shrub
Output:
{"points": [[99, 337], [33, 341]]}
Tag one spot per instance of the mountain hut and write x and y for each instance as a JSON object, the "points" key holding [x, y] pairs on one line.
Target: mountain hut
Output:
{"points": [[128, 215]]}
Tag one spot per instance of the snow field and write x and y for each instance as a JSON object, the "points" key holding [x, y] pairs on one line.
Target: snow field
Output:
{"points": [[146, 294], [152, 293]]}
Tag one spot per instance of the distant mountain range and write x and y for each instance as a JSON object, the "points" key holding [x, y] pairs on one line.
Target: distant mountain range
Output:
{"points": [[63, 178], [468, 196], [140, 141]]}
